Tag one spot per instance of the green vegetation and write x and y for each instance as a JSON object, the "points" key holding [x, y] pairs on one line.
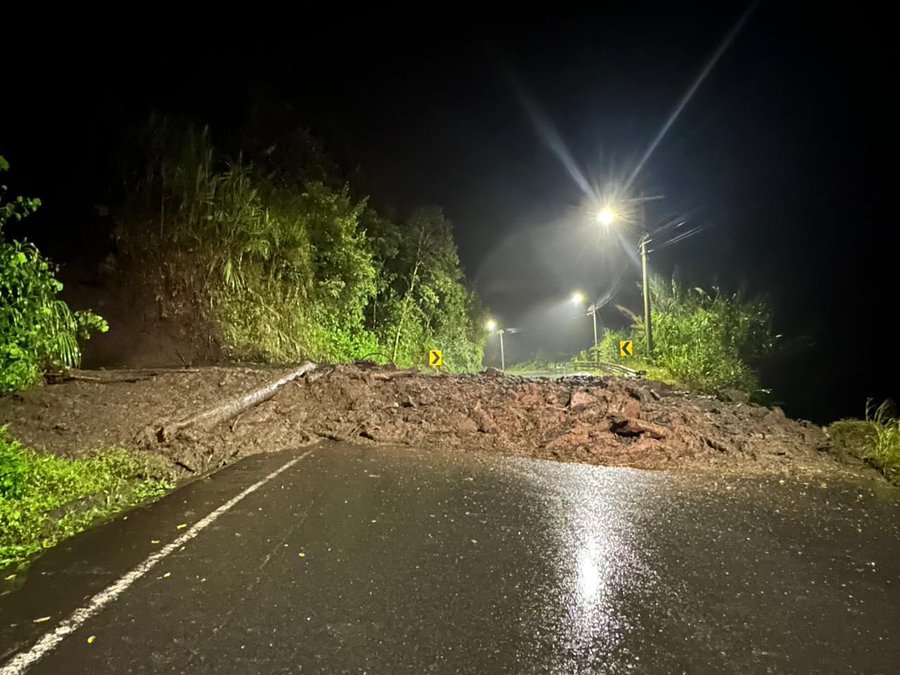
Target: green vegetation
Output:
{"points": [[44, 498], [290, 265], [421, 297], [875, 439], [38, 331], [704, 342]]}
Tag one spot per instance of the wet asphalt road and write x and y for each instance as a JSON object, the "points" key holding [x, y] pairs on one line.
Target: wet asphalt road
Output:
{"points": [[430, 562]]}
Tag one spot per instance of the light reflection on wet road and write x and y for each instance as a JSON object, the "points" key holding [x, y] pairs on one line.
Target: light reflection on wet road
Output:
{"points": [[431, 562]]}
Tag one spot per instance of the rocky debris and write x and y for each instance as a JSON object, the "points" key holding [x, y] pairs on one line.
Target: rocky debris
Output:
{"points": [[734, 396], [595, 420], [604, 420]]}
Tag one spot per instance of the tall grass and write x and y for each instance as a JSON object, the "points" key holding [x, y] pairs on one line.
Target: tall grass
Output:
{"points": [[704, 341], [711, 340], [884, 450], [282, 274], [876, 439]]}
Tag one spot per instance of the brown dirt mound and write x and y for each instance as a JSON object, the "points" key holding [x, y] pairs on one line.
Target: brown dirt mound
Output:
{"points": [[100, 408], [604, 421]]}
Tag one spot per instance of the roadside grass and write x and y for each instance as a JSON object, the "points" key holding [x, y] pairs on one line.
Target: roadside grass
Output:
{"points": [[656, 373], [875, 440], [45, 499]]}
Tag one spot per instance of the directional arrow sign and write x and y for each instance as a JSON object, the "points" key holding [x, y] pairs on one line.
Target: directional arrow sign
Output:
{"points": [[626, 348], [435, 358]]}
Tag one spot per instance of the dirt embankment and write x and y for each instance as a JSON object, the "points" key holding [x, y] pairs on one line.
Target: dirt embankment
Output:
{"points": [[152, 324], [604, 421]]}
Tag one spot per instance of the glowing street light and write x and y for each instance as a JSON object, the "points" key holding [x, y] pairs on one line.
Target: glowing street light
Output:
{"points": [[606, 216], [577, 298], [491, 325]]}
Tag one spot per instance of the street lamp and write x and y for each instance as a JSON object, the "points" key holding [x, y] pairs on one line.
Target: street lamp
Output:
{"points": [[577, 299], [606, 216], [491, 326]]}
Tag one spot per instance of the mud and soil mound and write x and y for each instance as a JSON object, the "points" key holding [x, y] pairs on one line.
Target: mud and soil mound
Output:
{"points": [[605, 421], [104, 408]]}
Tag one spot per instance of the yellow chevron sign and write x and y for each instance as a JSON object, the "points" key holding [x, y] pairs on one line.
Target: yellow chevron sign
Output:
{"points": [[435, 358], [626, 348]]}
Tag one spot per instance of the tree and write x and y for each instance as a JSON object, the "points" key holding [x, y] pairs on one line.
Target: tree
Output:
{"points": [[426, 303]]}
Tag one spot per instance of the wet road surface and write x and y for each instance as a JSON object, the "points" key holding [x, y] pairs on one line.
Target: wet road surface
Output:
{"points": [[392, 560]]}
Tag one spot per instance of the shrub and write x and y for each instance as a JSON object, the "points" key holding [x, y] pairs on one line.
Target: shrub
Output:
{"points": [[704, 342], [38, 331], [707, 341], [608, 347]]}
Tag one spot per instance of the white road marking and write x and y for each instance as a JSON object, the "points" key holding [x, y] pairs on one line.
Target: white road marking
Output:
{"points": [[24, 660]]}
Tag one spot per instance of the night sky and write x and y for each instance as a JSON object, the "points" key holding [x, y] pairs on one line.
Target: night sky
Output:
{"points": [[779, 155]]}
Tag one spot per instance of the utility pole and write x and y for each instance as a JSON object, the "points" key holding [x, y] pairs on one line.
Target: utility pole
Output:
{"points": [[645, 239], [592, 310], [648, 328]]}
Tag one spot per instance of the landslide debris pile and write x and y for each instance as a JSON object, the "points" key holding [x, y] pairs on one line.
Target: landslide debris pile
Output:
{"points": [[605, 420]]}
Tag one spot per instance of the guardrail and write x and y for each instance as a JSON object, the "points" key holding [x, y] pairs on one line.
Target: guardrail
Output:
{"points": [[606, 367], [576, 367]]}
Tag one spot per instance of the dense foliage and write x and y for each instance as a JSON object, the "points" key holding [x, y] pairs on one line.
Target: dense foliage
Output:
{"points": [[702, 341], [45, 498], [38, 331], [288, 264]]}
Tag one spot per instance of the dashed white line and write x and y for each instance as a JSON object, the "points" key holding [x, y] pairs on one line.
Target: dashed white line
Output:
{"points": [[24, 660]]}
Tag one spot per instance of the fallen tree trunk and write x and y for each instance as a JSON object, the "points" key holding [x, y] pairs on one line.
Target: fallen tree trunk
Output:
{"points": [[234, 406]]}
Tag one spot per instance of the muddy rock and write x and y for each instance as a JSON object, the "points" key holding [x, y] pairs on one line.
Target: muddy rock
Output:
{"points": [[581, 400], [483, 420], [733, 396]]}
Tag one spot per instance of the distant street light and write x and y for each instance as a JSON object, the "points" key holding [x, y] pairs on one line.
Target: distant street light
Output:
{"points": [[491, 325], [577, 299]]}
